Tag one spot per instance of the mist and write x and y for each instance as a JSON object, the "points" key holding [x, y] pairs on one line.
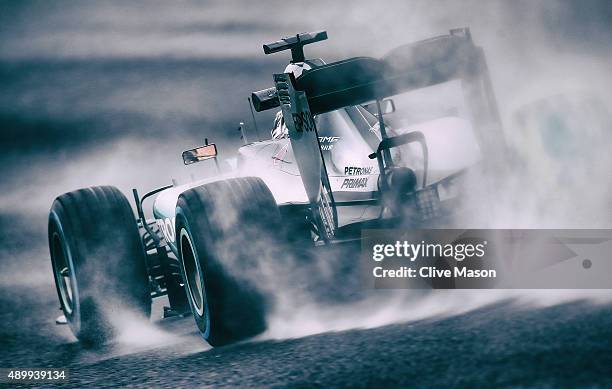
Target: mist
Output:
{"points": [[112, 93]]}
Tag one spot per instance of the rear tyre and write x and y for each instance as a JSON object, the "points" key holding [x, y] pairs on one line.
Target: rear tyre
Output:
{"points": [[224, 230], [98, 261]]}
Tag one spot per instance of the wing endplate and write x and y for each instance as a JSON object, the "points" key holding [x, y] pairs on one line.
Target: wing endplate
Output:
{"points": [[302, 134]]}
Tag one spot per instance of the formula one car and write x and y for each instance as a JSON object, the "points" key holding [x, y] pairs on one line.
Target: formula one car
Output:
{"points": [[342, 158]]}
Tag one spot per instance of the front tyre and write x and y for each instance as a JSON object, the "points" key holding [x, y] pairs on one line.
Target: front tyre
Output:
{"points": [[98, 261]]}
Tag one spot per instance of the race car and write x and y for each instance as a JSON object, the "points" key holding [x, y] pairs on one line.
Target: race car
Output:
{"points": [[342, 158]]}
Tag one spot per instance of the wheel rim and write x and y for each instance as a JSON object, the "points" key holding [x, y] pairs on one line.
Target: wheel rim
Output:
{"points": [[193, 273], [64, 274]]}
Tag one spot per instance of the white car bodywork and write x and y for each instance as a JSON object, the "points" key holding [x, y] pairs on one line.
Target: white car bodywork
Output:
{"points": [[353, 176]]}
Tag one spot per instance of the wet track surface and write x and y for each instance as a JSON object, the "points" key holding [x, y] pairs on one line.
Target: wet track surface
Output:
{"points": [[494, 346], [500, 344], [503, 342]]}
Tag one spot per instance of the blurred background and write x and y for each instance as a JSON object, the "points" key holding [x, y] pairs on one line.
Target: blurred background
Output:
{"points": [[111, 92]]}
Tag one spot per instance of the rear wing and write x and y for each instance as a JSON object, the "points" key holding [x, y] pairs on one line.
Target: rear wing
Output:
{"points": [[417, 65], [364, 79]]}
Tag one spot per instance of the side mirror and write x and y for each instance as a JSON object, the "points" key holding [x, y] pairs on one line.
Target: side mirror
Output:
{"points": [[387, 106], [198, 154]]}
